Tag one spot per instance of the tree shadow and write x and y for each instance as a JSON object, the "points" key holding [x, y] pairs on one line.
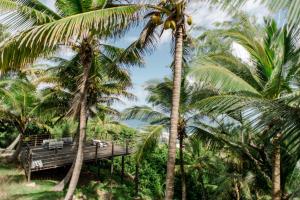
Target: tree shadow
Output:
{"points": [[49, 195], [15, 178]]}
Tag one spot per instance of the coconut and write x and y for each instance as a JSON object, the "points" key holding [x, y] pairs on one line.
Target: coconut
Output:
{"points": [[167, 24], [190, 20], [156, 19], [173, 24]]}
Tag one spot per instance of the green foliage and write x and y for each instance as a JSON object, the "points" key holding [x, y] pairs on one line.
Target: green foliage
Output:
{"points": [[64, 129], [152, 172], [7, 133], [274, 55]]}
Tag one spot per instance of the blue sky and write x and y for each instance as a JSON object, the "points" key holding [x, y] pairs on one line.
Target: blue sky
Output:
{"points": [[156, 65]]}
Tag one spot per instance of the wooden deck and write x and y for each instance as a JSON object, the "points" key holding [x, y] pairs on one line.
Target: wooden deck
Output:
{"points": [[61, 157]]}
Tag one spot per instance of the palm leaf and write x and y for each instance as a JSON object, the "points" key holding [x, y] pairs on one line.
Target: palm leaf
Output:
{"points": [[148, 141], [18, 13], [143, 113], [220, 78], [40, 40]]}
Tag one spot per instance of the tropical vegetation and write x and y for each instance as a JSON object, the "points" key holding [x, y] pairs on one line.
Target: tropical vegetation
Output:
{"points": [[223, 125]]}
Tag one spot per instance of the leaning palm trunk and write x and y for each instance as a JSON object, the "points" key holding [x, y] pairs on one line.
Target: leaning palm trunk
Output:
{"points": [[61, 185], [182, 172], [276, 187], [15, 155], [86, 57], [14, 143], [17, 152], [174, 114]]}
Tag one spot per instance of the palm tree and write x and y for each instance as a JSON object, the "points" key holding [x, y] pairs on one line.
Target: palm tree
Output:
{"points": [[19, 105], [256, 87], [160, 96], [107, 82], [165, 15], [82, 26]]}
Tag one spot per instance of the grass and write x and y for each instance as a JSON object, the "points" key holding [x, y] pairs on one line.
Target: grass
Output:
{"points": [[13, 185]]}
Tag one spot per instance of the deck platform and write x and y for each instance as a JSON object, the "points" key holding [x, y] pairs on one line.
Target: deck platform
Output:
{"points": [[55, 158]]}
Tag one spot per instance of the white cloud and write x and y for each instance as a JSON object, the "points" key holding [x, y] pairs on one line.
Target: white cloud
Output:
{"points": [[49, 3], [240, 52], [255, 8], [206, 15]]}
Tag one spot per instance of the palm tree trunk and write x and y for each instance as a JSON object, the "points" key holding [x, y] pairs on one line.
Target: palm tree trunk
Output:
{"points": [[174, 114], [86, 60], [202, 186], [61, 185], [14, 143], [182, 172], [276, 186], [17, 152], [237, 190]]}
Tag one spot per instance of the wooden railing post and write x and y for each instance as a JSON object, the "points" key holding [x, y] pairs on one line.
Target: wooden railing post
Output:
{"points": [[35, 140], [126, 147], [96, 160], [29, 165], [96, 153]]}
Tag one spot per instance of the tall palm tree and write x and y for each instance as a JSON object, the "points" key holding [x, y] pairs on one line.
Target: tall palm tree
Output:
{"points": [[257, 86], [168, 15], [107, 82], [164, 15], [81, 25], [160, 96]]}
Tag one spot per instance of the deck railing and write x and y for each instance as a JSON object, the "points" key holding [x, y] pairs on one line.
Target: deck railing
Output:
{"points": [[35, 140], [58, 158]]}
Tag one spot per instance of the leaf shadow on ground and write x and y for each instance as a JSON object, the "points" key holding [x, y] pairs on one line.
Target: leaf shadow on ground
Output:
{"points": [[39, 196]]}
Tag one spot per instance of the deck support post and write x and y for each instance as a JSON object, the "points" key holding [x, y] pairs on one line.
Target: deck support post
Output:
{"points": [[122, 172], [29, 165], [112, 159], [97, 161], [111, 166], [96, 153], [136, 178], [98, 169]]}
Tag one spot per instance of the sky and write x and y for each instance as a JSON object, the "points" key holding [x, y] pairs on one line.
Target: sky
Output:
{"points": [[157, 64]]}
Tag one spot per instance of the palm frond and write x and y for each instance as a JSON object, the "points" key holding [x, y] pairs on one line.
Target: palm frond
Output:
{"points": [[220, 78], [148, 141], [40, 40], [143, 113], [18, 13]]}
